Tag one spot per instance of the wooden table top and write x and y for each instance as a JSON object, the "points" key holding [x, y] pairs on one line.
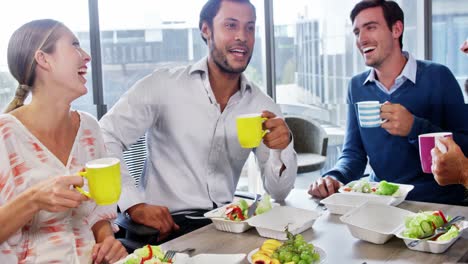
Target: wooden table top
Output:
{"points": [[333, 236]]}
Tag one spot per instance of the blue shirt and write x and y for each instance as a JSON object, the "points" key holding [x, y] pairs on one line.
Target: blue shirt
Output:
{"points": [[408, 73], [436, 102]]}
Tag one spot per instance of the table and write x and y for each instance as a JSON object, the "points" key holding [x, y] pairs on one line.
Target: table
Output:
{"points": [[332, 236]]}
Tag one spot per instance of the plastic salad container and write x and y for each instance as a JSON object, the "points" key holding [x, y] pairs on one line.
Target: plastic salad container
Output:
{"points": [[396, 199], [375, 222], [341, 203], [273, 223]]}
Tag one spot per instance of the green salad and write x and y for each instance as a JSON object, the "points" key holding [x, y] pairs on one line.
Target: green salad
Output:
{"points": [[238, 211], [425, 223], [386, 188], [146, 255], [364, 186]]}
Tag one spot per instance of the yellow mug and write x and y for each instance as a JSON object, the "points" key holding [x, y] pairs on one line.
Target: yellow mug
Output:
{"points": [[104, 181], [249, 130]]}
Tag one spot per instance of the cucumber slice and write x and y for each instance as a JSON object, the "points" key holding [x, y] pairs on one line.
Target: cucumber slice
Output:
{"points": [[427, 227]]}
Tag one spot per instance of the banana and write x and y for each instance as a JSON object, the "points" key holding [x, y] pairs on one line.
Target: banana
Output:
{"points": [[259, 254], [263, 255], [270, 245], [275, 261], [267, 251], [273, 242], [260, 258]]}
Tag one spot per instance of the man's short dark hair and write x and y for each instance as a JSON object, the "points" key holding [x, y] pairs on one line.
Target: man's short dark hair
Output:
{"points": [[211, 8], [391, 10]]}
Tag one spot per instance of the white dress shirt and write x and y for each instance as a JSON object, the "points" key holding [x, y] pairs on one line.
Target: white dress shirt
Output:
{"points": [[194, 157]]}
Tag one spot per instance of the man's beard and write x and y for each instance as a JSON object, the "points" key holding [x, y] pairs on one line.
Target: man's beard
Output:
{"points": [[375, 62], [220, 59]]}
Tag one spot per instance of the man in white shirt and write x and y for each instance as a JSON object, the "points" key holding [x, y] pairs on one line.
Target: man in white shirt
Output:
{"points": [[188, 115]]}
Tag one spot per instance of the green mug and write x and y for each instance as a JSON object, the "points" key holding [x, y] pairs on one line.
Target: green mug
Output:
{"points": [[249, 130], [104, 180]]}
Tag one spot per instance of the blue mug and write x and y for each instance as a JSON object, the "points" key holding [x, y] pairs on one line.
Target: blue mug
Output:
{"points": [[369, 114]]}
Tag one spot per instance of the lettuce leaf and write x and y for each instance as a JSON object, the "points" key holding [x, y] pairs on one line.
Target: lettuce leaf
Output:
{"points": [[362, 186], [143, 252], [452, 233], [421, 224], [244, 206], [264, 205], [386, 188], [132, 260]]}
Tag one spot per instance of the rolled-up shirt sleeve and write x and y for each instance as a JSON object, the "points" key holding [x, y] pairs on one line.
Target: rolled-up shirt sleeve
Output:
{"points": [[271, 161]]}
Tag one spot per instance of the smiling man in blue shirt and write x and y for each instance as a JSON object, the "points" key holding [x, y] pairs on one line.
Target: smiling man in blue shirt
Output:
{"points": [[419, 97]]}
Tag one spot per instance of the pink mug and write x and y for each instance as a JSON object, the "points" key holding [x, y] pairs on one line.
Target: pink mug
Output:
{"points": [[426, 143]]}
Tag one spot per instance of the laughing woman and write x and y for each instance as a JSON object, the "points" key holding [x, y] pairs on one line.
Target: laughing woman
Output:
{"points": [[42, 218]]}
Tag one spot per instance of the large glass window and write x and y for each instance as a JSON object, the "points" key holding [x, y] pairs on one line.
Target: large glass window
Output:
{"points": [[316, 54], [135, 41], [13, 14], [449, 31]]}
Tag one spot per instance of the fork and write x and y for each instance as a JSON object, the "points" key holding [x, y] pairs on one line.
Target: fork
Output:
{"points": [[171, 253], [438, 231], [253, 206]]}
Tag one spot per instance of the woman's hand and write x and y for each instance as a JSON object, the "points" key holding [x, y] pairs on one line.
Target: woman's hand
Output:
{"points": [[57, 195], [110, 250]]}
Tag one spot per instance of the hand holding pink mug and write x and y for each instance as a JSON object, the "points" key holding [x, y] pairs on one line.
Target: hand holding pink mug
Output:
{"points": [[450, 167], [426, 143]]}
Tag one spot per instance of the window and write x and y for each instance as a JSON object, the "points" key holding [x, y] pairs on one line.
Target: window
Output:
{"points": [[135, 41], [316, 56], [449, 31], [16, 13]]}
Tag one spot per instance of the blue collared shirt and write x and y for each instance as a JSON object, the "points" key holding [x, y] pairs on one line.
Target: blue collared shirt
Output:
{"points": [[408, 73]]}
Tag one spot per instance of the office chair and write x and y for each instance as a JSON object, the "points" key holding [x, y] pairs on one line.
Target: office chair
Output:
{"points": [[310, 143]]}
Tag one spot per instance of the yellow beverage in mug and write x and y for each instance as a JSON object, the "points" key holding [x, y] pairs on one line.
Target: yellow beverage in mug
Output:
{"points": [[104, 181], [250, 130]]}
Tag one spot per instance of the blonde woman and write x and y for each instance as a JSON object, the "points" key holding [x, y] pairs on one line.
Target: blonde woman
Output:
{"points": [[42, 144]]}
